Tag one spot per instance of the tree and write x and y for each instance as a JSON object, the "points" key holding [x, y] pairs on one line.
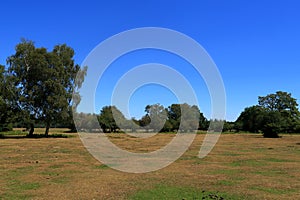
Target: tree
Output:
{"points": [[157, 115], [228, 126], [9, 111], [4, 107], [275, 113], [189, 120], [145, 121], [251, 119], [167, 127], [174, 114], [203, 122], [44, 81], [281, 113], [192, 116], [109, 117], [86, 122]]}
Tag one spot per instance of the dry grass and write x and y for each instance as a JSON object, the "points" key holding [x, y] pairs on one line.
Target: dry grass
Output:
{"points": [[244, 166]]}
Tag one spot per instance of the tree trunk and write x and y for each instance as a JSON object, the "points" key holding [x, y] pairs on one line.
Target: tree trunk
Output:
{"points": [[31, 130], [47, 129]]}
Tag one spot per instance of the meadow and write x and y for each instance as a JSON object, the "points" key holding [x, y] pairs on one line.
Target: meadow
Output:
{"points": [[241, 166]]}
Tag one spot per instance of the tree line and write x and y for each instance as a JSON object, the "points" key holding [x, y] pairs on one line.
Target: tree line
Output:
{"points": [[39, 88], [177, 117], [275, 113]]}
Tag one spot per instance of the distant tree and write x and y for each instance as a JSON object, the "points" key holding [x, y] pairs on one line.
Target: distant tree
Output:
{"points": [[87, 122], [167, 127], [281, 113], [275, 113], [44, 81], [132, 124], [228, 126], [108, 117], [145, 121], [189, 120], [203, 122], [174, 115], [251, 119], [192, 116], [216, 125], [157, 115]]}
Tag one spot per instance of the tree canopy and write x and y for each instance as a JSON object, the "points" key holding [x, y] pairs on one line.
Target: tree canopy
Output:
{"points": [[274, 114], [44, 81]]}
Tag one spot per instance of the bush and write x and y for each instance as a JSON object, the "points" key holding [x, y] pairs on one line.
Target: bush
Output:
{"points": [[6, 127]]}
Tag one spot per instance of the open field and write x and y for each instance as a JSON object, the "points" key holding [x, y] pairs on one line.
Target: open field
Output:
{"points": [[241, 166]]}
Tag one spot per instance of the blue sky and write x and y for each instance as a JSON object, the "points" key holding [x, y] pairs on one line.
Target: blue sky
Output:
{"points": [[255, 44]]}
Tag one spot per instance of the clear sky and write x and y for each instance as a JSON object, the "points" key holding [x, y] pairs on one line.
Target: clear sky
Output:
{"points": [[255, 44]]}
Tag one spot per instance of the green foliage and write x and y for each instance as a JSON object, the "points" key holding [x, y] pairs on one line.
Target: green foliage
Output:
{"points": [[177, 117], [86, 122], [157, 115], [7, 109], [157, 118], [110, 119], [250, 119], [193, 118], [276, 113], [281, 113], [228, 126], [44, 82]]}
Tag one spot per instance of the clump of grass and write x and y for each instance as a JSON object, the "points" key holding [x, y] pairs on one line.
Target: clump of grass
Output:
{"points": [[102, 166]]}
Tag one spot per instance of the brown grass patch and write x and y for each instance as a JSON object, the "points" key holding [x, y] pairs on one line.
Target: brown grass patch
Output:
{"points": [[245, 165]]}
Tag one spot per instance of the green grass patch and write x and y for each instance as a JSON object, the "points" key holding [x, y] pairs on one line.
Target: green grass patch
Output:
{"points": [[18, 189], [231, 154], [17, 196], [226, 183], [17, 132], [49, 173], [273, 190], [272, 173], [102, 166], [21, 171], [250, 163], [60, 180], [21, 134], [56, 166], [187, 193], [276, 160], [16, 185], [225, 171], [56, 177]]}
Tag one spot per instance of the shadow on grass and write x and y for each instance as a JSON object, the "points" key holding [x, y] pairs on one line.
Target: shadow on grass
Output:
{"points": [[37, 136]]}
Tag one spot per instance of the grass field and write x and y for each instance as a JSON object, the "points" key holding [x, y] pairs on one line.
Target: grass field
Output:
{"points": [[241, 166]]}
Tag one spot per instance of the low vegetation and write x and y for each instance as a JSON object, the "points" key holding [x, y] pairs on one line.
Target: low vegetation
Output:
{"points": [[241, 166]]}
